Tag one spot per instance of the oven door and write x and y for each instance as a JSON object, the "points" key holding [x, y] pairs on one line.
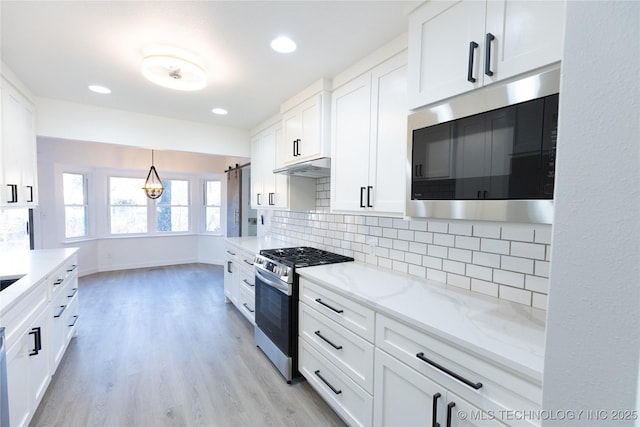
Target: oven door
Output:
{"points": [[274, 310]]}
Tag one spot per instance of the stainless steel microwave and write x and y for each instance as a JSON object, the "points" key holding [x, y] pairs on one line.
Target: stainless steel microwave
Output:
{"points": [[486, 155]]}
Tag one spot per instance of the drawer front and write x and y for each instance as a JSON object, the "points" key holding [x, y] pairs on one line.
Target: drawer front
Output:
{"points": [[501, 388], [348, 399], [353, 316], [63, 275], [349, 352], [248, 302]]}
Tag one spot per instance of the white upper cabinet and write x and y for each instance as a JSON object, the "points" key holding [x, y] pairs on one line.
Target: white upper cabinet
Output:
{"points": [[458, 46], [368, 140], [276, 191], [305, 121], [18, 177]]}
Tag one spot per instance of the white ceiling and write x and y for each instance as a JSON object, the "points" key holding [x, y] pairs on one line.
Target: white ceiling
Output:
{"points": [[59, 48]]}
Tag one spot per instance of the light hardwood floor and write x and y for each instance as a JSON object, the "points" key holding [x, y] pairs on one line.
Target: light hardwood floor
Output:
{"points": [[159, 347]]}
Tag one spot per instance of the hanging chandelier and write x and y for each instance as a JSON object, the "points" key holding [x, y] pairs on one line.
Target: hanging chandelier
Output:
{"points": [[153, 185]]}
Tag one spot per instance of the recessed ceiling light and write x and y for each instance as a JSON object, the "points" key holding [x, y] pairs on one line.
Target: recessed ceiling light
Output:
{"points": [[99, 89], [219, 111], [283, 45]]}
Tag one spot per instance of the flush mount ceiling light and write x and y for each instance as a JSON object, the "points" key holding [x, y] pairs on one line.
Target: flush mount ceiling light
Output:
{"points": [[219, 111], [283, 45], [153, 185], [174, 72], [99, 89]]}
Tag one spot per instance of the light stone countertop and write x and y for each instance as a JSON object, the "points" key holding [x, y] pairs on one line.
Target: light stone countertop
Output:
{"points": [[505, 332], [35, 265], [508, 333]]}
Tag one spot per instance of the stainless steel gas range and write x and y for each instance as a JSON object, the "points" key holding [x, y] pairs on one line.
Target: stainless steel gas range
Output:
{"points": [[276, 309]]}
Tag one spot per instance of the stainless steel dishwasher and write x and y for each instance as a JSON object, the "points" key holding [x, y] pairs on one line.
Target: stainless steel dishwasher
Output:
{"points": [[4, 398]]}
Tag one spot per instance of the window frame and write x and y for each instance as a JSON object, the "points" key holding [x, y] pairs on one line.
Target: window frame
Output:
{"points": [[157, 204], [88, 179], [205, 205]]}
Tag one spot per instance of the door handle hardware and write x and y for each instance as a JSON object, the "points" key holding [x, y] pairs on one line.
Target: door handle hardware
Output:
{"points": [[487, 54], [434, 411], [471, 384], [369, 188], [319, 301], [333, 389], [337, 347], [472, 47]]}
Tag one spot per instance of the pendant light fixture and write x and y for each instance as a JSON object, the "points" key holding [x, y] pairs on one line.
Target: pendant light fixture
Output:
{"points": [[153, 185]]}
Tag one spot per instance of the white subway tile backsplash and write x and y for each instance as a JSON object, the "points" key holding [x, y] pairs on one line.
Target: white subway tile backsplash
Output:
{"points": [[459, 281], [487, 288], [508, 278], [437, 226], [541, 268], [486, 259], [479, 272], [495, 246], [405, 235], [521, 265], [462, 229], [432, 262], [528, 250], [505, 260], [519, 232], [443, 239], [486, 230], [462, 255], [453, 266], [515, 295], [537, 284], [437, 251], [471, 243]]}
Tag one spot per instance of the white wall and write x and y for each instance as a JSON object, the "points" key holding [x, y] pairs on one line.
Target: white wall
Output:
{"points": [[593, 327], [68, 120], [102, 252]]}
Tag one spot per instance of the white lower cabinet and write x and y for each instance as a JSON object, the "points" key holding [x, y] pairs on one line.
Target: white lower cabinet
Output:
{"points": [[239, 276], [38, 333], [404, 397], [335, 354]]}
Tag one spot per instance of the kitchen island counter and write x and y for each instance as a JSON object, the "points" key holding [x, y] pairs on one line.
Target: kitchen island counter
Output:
{"points": [[34, 266]]}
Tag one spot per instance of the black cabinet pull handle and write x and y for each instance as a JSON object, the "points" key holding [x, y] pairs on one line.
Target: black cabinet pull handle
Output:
{"points": [[247, 307], [333, 389], [337, 347], [258, 199], [369, 188], [248, 283], [472, 47], [36, 347], [434, 411], [75, 319], [248, 262], [231, 253], [449, 408], [487, 54], [294, 147], [30, 187], [75, 290], [229, 267], [362, 197], [473, 385], [62, 309], [71, 268], [57, 282], [298, 147], [271, 203], [319, 301], [14, 193]]}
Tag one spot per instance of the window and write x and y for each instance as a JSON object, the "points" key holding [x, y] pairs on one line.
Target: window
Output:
{"points": [[212, 206], [172, 210], [75, 205], [128, 205]]}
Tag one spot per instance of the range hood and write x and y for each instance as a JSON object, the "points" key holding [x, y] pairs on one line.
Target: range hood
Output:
{"points": [[317, 168]]}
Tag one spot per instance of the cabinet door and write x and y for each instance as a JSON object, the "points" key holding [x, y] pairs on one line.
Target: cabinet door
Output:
{"points": [[13, 141], [440, 34], [292, 127], [267, 164], [464, 414], [229, 269], [310, 146], [388, 156], [281, 181], [402, 396], [39, 376], [528, 35], [257, 184], [17, 380], [351, 105], [29, 164]]}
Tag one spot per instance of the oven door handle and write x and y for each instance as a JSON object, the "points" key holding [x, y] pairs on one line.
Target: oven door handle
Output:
{"points": [[284, 288]]}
